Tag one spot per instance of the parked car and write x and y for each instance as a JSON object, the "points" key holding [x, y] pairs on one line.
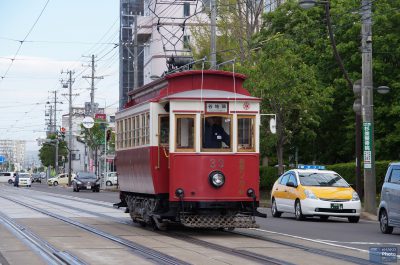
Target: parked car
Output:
{"points": [[86, 181], [111, 178], [23, 179], [60, 179], [389, 206], [8, 177], [36, 177], [313, 191]]}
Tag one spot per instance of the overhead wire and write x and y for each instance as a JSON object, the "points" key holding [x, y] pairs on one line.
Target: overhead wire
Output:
{"points": [[23, 41]]}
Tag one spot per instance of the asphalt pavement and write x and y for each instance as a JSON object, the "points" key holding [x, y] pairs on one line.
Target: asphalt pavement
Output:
{"points": [[334, 231]]}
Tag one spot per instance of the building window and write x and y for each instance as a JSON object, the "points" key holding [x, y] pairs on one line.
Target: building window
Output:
{"points": [[185, 130], [245, 134], [186, 9]]}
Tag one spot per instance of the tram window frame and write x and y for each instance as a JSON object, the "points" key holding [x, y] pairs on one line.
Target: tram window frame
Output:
{"points": [[224, 116], [193, 133], [160, 136], [252, 133], [147, 128]]}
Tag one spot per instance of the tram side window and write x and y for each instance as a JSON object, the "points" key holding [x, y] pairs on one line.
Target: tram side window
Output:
{"points": [[164, 130], [245, 132], [216, 133], [119, 134], [185, 133], [147, 130]]}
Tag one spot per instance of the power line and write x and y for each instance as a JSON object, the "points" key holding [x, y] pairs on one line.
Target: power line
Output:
{"points": [[22, 42]]}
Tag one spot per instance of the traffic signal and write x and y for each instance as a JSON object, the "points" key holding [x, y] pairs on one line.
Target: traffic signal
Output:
{"points": [[62, 133], [108, 135]]}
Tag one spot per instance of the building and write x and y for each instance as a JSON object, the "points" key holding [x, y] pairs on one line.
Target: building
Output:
{"points": [[162, 36], [14, 152], [79, 150]]}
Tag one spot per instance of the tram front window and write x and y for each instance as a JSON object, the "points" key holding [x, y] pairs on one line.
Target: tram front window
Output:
{"points": [[216, 133], [185, 133]]}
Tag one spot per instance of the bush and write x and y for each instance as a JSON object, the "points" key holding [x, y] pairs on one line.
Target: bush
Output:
{"points": [[268, 175], [348, 172]]}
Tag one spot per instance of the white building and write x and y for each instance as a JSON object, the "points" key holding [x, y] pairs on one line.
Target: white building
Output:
{"points": [[14, 152]]}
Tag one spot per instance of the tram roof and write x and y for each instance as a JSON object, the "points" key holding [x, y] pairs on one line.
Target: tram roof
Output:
{"points": [[209, 94], [215, 83]]}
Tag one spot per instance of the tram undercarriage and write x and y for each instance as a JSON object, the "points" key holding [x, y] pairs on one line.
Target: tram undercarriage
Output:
{"points": [[158, 212]]}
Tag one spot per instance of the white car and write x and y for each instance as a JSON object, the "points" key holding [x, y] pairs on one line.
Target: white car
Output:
{"points": [[313, 191], [8, 177], [24, 179], [111, 179]]}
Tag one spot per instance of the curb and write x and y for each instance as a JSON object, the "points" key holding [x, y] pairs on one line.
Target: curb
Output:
{"points": [[368, 216]]}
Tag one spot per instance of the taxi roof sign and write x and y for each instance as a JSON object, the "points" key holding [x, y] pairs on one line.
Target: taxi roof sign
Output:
{"points": [[311, 167]]}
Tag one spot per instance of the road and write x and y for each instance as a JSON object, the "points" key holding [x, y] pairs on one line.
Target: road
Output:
{"points": [[334, 236], [338, 231]]}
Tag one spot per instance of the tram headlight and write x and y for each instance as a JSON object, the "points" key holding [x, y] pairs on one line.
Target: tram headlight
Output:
{"points": [[217, 179]]}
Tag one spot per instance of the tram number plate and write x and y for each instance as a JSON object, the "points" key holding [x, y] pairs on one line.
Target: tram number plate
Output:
{"points": [[88, 187], [337, 206]]}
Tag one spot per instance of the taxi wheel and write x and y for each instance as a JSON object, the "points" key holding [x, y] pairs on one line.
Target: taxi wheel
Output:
{"points": [[55, 183], [297, 211], [384, 223], [324, 217], [108, 183], [274, 209], [354, 219]]}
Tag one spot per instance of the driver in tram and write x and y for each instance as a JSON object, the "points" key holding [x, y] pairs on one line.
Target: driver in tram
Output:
{"points": [[214, 134]]}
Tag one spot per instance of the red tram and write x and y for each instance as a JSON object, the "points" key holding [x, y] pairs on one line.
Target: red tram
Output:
{"points": [[187, 151]]}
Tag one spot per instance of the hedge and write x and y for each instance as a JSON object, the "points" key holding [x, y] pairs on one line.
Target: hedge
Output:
{"points": [[268, 175]]}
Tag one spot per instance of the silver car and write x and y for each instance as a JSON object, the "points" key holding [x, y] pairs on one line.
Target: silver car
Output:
{"points": [[389, 207]]}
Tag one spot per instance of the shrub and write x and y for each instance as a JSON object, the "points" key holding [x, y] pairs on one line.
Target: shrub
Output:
{"points": [[268, 175]]}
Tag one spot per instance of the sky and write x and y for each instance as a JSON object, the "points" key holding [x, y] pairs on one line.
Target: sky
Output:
{"points": [[66, 34]]}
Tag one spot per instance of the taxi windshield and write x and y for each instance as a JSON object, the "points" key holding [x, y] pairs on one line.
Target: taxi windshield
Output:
{"points": [[322, 179]]}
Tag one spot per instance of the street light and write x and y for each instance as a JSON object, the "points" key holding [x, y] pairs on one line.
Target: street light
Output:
{"points": [[307, 4]]}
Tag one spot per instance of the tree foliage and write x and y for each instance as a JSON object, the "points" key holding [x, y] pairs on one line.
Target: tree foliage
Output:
{"points": [[47, 152], [290, 53], [288, 88]]}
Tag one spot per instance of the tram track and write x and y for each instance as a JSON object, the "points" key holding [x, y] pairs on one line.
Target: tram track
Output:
{"points": [[236, 252], [262, 259], [44, 249], [150, 254]]}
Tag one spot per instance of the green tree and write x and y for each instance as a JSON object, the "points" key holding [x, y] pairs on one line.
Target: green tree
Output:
{"points": [[94, 137], [47, 152], [288, 87]]}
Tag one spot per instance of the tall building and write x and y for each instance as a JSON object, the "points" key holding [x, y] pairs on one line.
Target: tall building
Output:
{"points": [[128, 10], [163, 37], [14, 152]]}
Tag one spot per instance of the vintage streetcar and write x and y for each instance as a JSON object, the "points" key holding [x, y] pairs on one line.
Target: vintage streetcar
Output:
{"points": [[187, 151]]}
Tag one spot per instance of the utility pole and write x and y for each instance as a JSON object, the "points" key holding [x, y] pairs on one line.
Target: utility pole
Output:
{"points": [[367, 108], [93, 77], [213, 34], [135, 55], [70, 147]]}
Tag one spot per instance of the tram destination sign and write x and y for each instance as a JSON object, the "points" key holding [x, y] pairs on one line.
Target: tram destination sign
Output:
{"points": [[217, 107]]}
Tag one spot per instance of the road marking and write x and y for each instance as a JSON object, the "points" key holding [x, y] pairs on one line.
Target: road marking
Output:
{"points": [[359, 243], [314, 240]]}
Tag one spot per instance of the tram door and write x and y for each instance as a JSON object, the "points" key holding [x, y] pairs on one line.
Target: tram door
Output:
{"points": [[163, 139]]}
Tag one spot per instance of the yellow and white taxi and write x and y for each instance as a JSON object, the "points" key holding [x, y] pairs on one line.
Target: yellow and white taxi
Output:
{"points": [[314, 191]]}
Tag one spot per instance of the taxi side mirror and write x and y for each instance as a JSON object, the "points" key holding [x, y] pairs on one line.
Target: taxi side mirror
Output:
{"points": [[291, 184]]}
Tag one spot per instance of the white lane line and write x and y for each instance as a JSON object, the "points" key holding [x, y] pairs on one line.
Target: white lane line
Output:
{"points": [[360, 243], [314, 240]]}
